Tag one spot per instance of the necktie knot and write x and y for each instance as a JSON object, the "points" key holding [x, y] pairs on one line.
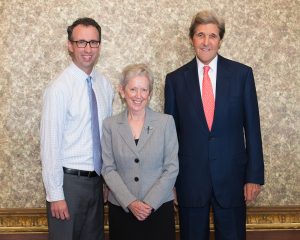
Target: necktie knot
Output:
{"points": [[206, 69], [89, 81]]}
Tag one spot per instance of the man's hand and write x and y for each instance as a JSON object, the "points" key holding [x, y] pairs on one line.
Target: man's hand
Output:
{"points": [[175, 197], [59, 210], [251, 191], [140, 209], [105, 193]]}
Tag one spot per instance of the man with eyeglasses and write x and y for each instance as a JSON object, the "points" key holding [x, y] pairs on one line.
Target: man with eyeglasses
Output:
{"points": [[74, 106]]}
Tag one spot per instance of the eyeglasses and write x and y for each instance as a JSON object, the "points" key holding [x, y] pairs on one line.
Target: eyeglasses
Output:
{"points": [[83, 43]]}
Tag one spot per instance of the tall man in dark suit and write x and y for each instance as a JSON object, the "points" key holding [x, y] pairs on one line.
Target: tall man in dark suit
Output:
{"points": [[214, 104]]}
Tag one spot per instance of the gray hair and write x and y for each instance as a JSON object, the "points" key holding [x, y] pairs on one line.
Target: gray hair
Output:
{"points": [[207, 17], [134, 70]]}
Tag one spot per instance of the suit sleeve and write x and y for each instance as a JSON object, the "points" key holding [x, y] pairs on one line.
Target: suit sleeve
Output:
{"points": [[109, 170], [170, 100], [255, 165], [164, 184]]}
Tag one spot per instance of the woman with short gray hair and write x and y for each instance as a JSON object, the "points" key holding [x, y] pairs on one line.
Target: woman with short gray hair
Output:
{"points": [[140, 163]]}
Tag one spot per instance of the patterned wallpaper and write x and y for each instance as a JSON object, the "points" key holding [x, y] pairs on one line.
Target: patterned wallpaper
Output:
{"points": [[263, 34]]}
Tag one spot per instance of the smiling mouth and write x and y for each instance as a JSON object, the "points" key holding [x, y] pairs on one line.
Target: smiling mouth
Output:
{"points": [[205, 49], [87, 57]]}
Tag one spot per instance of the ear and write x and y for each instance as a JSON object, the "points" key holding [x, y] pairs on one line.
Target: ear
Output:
{"points": [[121, 91], [220, 43], [150, 95], [191, 42], [70, 47]]}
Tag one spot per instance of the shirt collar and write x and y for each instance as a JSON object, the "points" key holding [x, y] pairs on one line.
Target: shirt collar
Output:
{"points": [[80, 73], [212, 64]]}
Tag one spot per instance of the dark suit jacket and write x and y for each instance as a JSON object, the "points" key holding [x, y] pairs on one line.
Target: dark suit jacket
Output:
{"points": [[229, 156]]}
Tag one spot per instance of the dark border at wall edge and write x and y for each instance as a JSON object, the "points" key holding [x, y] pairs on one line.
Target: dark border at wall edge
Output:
{"points": [[34, 220]]}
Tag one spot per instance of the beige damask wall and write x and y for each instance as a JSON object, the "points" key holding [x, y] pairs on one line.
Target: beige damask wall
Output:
{"points": [[263, 34]]}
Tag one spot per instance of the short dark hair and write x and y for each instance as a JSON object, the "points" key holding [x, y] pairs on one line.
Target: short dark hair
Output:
{"points": [[207, 17], [85, 22]]}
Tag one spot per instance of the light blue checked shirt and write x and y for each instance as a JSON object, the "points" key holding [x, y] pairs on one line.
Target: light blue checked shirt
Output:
{"points": [[66, 138]]}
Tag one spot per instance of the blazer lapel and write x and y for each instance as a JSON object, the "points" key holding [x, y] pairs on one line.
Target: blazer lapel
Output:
{"points": [[125, 132], [148, 129], [222, 92], [193, 86]]}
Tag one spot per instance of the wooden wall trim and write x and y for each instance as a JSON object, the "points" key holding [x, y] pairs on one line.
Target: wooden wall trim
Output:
{"points": [[276, 218], [23, 220], [34, 220]]}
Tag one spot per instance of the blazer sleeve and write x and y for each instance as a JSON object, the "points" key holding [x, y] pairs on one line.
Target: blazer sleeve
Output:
{"points": [[164, 184], [109, 170], [255, 165]]}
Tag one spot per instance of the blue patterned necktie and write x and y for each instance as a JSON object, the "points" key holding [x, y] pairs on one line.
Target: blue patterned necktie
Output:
{"points": [[95, 128]]}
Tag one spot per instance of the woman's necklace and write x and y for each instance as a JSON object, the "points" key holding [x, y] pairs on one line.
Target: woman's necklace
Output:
{"points": [[136, 124]]}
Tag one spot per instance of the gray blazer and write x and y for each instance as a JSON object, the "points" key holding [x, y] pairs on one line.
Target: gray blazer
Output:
{"points": [[146, 171]]}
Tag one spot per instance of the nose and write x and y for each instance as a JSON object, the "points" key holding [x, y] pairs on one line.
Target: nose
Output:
{"points": [[205, 40], [138, 93], [88, 48]]}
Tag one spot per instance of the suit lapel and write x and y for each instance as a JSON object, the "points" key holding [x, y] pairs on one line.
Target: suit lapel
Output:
{"points": [[222, 92], [193, 86], [125, 132], [148, 129]]}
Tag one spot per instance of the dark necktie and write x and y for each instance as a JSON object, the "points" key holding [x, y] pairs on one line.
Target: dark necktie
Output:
{"points": [[95, 128]]}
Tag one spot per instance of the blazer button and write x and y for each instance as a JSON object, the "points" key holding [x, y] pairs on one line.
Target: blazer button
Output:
{"points": [[136, 160], [136, 179]]}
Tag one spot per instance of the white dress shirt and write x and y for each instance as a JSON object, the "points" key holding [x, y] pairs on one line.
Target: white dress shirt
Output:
{"points": [[212, 73], [66, 137]]}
